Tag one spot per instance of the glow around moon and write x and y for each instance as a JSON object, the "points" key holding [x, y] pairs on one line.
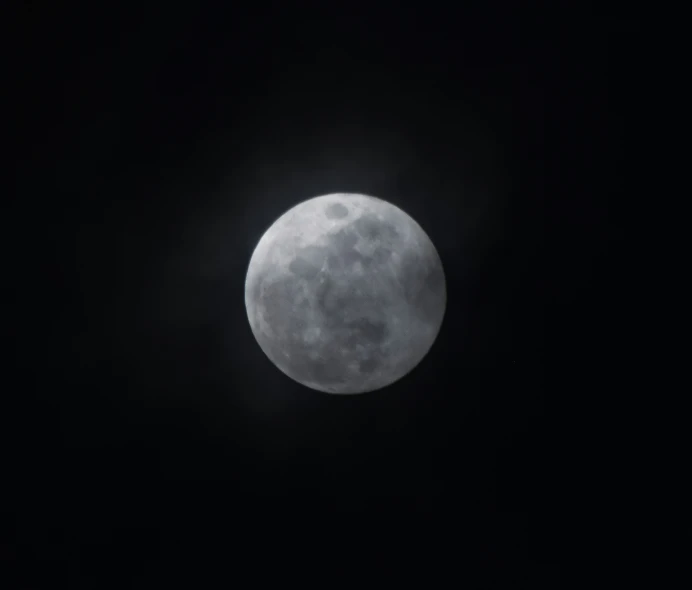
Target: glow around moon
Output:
{"points": [[345, 293]]}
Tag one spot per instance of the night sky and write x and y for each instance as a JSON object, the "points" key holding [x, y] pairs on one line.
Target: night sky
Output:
{"points": [[154, 443]]}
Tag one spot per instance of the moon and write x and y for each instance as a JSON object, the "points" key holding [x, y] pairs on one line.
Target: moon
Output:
{"points": [[345, 293]]}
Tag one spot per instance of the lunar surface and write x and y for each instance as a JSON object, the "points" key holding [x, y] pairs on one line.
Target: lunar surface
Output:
{"points": [[345, 293]]}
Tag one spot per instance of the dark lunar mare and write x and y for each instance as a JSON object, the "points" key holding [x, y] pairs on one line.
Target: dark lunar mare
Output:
{"points": [[344, 255], [308, 261], [372, 228], [423, 282], [336, 211]]}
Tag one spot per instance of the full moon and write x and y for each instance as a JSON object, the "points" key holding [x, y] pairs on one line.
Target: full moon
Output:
{"points": [[345, 293]]}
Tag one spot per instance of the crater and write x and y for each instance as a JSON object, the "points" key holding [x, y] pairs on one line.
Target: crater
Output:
{"points": [[336, 211]]}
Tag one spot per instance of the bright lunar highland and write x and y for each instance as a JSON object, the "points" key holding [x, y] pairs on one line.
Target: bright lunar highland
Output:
{"points": [[345, 293]]}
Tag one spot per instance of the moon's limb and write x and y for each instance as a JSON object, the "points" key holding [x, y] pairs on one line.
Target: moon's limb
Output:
{"points": [[345, 293]]}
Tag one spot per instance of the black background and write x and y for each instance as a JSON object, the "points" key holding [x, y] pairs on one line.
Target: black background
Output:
{"points": [[154, 443]]}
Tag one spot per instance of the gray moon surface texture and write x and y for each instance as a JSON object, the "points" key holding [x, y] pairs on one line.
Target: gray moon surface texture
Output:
{"points": [[345, 293]]}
